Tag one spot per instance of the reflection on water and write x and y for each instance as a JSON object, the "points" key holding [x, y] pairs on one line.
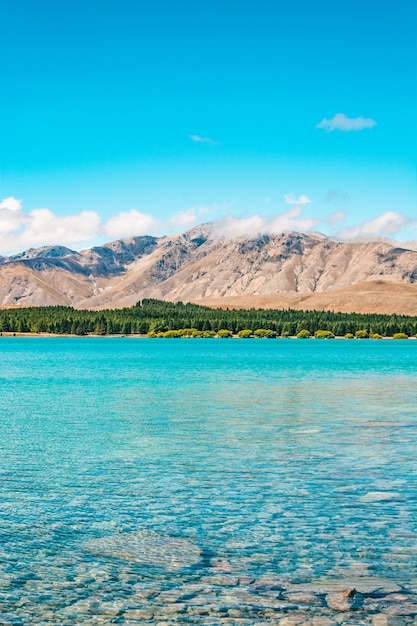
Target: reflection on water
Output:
{"points": [[208, 481]]}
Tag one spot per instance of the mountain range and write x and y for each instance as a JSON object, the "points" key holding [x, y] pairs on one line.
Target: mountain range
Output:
{"points": [[296, 270]]}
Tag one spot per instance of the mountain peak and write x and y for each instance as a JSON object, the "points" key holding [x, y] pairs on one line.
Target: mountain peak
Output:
{"points": [[44, 252]]}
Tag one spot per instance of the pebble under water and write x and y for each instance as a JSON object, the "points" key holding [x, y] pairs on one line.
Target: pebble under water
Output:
{"points": [[206, 481]]}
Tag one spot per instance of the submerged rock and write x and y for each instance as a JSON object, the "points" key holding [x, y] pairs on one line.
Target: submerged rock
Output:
{"points": [[292, 620], [379, 496], [393, 604], [346, 600], [303, 598], [171, 553]]}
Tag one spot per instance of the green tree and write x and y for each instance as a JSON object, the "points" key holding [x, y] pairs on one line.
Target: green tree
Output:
{"points": [[264, 333], [223, 333], [361, 334], [173, 334], [206, 325], [287, 329], [245, 333], [324, 334]]}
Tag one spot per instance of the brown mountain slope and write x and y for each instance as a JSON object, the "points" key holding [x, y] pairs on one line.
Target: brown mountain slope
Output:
{"points": [[291, 269], [366, 297]]}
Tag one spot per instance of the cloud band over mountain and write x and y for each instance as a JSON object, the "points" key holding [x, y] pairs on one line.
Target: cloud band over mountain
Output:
{"points": [[20, 229]]}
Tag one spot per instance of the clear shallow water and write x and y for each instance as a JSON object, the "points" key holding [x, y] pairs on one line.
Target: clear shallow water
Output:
{"points": [[207, 481]]}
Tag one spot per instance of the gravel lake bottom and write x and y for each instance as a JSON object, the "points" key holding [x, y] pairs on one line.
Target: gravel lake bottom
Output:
{"points": [[208, 482]]}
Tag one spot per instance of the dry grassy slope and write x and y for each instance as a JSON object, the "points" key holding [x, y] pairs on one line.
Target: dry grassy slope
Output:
{"points": [[366, 297], [21, 285], [303, 271]]}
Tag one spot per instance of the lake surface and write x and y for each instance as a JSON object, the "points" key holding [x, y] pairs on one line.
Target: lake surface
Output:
{"points": [[208, 481]]}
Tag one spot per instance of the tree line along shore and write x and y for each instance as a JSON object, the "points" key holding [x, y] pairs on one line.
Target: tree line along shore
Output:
{"points": [[157, 318]]}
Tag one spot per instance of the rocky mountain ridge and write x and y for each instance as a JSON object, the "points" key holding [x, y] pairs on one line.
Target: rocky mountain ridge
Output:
{"points": [[201, 267]]}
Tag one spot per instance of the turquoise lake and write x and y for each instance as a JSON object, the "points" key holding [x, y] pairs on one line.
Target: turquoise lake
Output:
{"points": [[207, 481]]}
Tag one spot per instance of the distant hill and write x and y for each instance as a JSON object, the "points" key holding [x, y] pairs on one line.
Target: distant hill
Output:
{"points": [[294, 270]]}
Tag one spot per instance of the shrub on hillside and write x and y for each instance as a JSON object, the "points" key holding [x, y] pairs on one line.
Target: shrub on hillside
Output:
{"points": [[171, 334], [324, 334], [190, 332], [361, 334], [245, 334], [263, 333], [224, 334]]}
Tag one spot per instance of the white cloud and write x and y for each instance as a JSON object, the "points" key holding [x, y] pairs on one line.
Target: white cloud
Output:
{"points": [[184, 218], [43, 224], [204, 210], [208, 140], [254, 225], [131, 223], [20, 230], [10, 221], [337, 216], [11, 203], [344, 123], [291, 199], [388, 223]]}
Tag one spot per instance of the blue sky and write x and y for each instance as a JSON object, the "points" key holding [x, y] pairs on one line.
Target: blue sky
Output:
{"points": [[130, 117]]}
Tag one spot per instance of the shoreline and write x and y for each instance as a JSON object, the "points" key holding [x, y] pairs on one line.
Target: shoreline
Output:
{"points": [[137, 336]]}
